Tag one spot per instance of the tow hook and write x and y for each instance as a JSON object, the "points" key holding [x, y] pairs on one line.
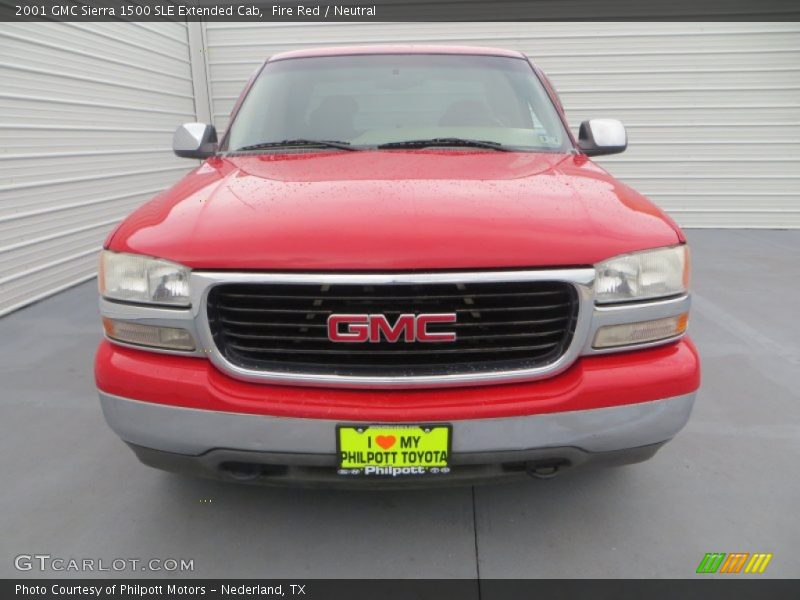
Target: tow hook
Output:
{"points": [[545, 469], [243, 471]]}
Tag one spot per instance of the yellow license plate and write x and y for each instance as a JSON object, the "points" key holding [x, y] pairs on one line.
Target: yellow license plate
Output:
{"points": [[393, 450]]}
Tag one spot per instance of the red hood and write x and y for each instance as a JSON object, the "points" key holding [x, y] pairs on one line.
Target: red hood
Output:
{"points": [[394, 210]]}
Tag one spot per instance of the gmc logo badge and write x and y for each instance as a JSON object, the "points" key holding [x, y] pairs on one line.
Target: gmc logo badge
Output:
{"points": [[375, 328]]}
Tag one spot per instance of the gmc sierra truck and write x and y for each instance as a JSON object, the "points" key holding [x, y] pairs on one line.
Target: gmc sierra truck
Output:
{"points": [[397, 266]]}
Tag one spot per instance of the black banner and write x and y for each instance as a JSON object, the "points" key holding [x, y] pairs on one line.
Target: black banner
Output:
{"points": [[395, 10], [732, 588]]}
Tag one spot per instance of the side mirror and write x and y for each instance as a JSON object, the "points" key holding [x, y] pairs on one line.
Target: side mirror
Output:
{"points": [[195, 140], [602, 136]]}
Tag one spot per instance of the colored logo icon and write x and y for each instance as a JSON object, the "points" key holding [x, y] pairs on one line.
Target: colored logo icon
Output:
{"points": [[735, 562]]}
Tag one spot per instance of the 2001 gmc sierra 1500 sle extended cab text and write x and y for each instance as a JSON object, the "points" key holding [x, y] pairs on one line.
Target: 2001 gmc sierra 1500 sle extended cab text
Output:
{"points": [[396, 266]]}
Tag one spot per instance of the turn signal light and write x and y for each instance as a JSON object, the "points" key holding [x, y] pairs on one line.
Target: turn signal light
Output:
{"points": [[627, 334], [171, 338]]}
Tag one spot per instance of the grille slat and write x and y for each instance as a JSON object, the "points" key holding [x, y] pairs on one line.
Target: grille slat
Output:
{"points": [[354, 307], [323, 296], [313, 337], [317, 325], [371, 351], [500, 326]]}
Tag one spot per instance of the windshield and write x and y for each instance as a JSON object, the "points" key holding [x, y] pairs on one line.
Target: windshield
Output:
{"points": [[372, 100]]}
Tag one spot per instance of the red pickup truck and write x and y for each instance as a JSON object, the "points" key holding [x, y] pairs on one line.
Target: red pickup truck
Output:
{"points": [[396, 266]]}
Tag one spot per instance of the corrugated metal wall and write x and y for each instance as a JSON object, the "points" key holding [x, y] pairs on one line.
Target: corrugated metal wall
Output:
{"points": [[712, 109], [87, 113]]}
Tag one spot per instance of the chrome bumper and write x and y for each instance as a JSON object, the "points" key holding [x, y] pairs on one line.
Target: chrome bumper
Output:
{"points": [[195, 432]]}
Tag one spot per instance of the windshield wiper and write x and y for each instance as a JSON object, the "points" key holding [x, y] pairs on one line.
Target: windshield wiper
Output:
{"points": [[298, 142], [446, 141]]}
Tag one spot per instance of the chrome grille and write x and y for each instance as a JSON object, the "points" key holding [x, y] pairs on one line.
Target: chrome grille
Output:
{"points": [[502, 325]]}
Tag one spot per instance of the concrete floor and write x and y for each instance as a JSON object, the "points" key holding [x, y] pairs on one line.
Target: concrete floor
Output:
{"points": [[728, 483]]}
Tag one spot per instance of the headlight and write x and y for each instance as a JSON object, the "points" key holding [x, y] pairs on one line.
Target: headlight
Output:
{"points": [[134, 278], [642, 275]]}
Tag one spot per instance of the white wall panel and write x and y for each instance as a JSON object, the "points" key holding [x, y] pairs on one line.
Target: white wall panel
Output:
{"points": [[87, 113], [86, 119], [712, 109]]}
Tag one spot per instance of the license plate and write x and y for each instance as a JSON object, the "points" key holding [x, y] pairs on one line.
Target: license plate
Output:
{"points": [[393, 450]]}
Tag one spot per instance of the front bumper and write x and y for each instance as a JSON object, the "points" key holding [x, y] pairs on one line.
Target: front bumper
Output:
{"points": [[181, 414], [195, 432], [285, 449]]}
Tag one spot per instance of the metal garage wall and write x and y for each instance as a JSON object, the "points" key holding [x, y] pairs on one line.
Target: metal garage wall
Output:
{"points": [[86, 119], [712, 109]]}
